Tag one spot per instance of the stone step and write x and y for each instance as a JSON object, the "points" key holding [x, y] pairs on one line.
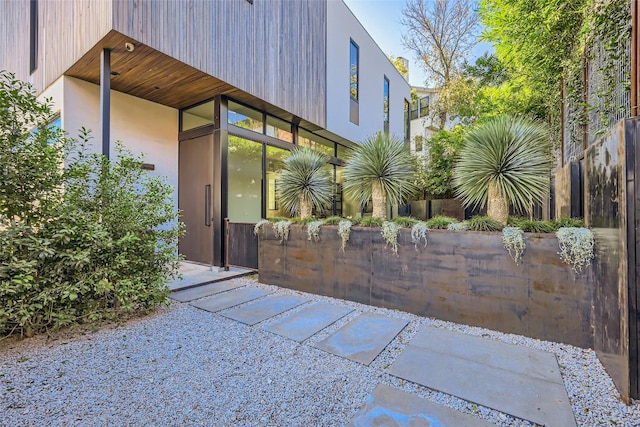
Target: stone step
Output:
{"points": [[308, 321], [258, 311], [204, 291], [229, 299]]}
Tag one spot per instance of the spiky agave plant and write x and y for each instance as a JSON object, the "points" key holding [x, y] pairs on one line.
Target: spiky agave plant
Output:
{"points": [[303, 183], [504, 160], [380, 169]]}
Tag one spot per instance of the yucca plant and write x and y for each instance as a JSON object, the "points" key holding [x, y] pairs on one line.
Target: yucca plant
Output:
{"points": [[505, 160], [304, 184], [380, 169]]}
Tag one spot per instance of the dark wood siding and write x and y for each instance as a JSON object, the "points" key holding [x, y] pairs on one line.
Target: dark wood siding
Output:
{"points": [[243, 245], [66, 31], [274, 50]]}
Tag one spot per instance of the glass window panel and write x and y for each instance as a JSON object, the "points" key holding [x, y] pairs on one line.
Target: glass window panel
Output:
{"points": [[279, 129], [407, 122], [343, 152], [414, 110], [353, 70], [275, 164], [349, 206], [315, 142], [245, 180], [200, 115], [424, 106], [385, 105], [245, 117]]}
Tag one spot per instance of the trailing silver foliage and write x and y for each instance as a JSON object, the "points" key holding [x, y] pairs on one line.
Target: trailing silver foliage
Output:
{"points": [[513, 241], [258, 227], [313, 230], [344, 231], [281, 230], [418, 233], [458, 226], [390, 233], [576, 246]]}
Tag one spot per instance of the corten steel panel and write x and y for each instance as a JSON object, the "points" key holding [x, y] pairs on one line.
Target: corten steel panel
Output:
{"points": [[419, 209], [243, 245], [462, 277], [563, 191], [195, 198], [605, 208]]}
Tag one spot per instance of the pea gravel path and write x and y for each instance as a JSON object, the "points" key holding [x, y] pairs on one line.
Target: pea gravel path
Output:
{"points": [[188, 367]]}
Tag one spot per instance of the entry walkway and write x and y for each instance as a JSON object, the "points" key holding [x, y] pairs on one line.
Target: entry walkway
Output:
{"points": [[522, 382], [196, 275]]}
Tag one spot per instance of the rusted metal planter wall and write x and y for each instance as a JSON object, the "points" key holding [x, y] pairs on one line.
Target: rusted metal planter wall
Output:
{"points": [[464, 277]]}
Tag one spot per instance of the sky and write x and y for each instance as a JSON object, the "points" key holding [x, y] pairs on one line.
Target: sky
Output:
{"points": [[381, 18]]}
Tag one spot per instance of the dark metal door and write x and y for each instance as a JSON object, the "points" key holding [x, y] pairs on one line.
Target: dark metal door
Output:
{"points": [[195, 198]]}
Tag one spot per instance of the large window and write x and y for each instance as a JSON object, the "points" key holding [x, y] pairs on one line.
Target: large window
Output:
{"points": [[315, 142], [245, 180], [353, 70], [275, 164], [245, 117], [385, 104], [279, 129]]}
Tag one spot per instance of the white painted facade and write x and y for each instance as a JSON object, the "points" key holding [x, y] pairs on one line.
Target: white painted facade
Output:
{"points": [[374, 65], [141, 126]]}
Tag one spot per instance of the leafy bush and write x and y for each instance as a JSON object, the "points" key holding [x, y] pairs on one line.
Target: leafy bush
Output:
{"points": [[484, 223], [405, 221], [275, 219], [90, 241], [435, 178], [440, 222], [458, 226], [303, 221]]}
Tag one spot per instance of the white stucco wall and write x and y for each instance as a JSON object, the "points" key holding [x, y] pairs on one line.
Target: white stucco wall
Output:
{"points": [[343, 26], [142, 126]]}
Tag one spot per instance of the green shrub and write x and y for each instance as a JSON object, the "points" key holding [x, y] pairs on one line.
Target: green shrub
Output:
{"points": [[532, 226], [303, 221], [368, 221], [405, 221], [275, 219], [332, 220], [568, 222], [440, 222], [102, 247], [484, 223]]}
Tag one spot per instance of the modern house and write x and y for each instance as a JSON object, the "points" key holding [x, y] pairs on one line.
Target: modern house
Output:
{"points": [[422, 125], [215, 93]]}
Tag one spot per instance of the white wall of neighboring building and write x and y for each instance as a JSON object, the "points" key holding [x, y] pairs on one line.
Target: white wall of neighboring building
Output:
{"points": [[343, 26], [422, 126], [142, 126]]}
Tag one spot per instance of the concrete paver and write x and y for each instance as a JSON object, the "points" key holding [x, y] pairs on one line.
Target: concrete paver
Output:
{"points": [[229, 299], [388, 406], [488, 374], [204, 291], [265, 308], [195, 275], [309, 321], [363, 338]]}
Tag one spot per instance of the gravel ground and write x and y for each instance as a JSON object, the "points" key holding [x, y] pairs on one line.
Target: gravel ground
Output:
{"points": [[187, 367]]}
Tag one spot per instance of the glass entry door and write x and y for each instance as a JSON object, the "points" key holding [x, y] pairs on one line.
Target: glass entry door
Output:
{"points": [[195, 198]]}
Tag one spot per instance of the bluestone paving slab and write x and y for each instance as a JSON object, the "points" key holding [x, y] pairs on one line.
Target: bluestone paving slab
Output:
{"points": [[530, 398], [203, 275], [309, 321], [363, 338], [204, 291], [265, 308], [229, 299], [525, 360], [387, 406]]}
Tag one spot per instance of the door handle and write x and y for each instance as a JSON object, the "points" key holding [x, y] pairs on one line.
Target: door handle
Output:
{"points": [[207, 205]]}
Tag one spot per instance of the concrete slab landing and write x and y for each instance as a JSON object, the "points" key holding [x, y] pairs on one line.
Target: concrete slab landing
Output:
{"points": [[229, 299], [198, 292], [265, 308], [388, 406], [309, 321], [493, 374], [363, 338], [195, 275]]}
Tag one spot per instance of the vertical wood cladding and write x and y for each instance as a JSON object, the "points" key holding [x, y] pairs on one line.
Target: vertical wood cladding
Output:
{"points": [[274, 50], [66, 31]]}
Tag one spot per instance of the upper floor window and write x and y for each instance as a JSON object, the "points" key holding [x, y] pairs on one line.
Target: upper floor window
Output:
{"points": [[353, 70], [407, 122], [33, 35], [385, 104], [279, 129], [424, 106]]}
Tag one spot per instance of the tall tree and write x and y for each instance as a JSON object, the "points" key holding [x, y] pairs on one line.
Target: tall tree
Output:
{"points": [[440, 33]]}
